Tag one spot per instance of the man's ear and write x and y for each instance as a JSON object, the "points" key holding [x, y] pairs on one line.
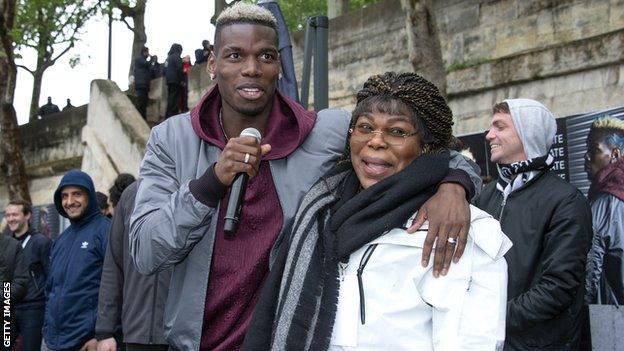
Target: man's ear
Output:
{"points": [[211, 67], [615, 153]]}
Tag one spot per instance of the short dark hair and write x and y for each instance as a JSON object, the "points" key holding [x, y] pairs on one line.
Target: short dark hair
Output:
{"points": [[501, 107], [26, 206], [122, 181]]}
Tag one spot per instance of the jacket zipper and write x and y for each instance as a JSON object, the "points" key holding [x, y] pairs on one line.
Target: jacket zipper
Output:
{"points": [[500, 217]]}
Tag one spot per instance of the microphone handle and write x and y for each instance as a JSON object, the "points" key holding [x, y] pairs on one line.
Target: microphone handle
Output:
{"points": [[235, 203]]}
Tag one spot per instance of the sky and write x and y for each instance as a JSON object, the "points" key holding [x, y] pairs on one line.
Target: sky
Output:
{"points": [[186, 22]]}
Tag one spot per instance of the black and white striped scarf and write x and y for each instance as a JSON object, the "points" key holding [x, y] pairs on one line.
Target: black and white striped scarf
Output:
{"points": [[527, 168], [297, 307]]}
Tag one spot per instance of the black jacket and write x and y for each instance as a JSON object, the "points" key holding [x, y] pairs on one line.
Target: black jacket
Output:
{"points": [[125, 294], [13, 269], [36, 259], [173, 69], [143, 71], [549, 223]]}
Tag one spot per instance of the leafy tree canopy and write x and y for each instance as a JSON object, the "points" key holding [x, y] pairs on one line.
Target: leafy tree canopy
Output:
{"points": [[296, 12]]}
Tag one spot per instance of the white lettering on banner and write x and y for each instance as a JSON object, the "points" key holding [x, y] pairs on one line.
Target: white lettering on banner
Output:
{"points": [[6, 314]]}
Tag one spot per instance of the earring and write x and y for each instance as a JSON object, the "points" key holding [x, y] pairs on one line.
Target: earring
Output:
{"points": [[279, 76], [212, 76]]}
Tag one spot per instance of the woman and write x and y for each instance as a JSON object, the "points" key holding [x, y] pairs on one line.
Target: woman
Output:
{"points": [[350, 278]]}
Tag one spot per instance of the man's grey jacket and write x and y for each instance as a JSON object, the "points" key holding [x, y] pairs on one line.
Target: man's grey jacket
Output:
{"points": [[126, 295], [170, 227]]}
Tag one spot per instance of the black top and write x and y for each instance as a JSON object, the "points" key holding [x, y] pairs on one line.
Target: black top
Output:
{"points": [[549, 223]]}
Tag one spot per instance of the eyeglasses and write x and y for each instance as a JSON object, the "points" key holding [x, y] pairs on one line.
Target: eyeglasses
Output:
{"points": [[362, 133]]}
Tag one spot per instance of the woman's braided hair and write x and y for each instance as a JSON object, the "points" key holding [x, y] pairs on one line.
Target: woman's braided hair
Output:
{"points": [[430, 112]]}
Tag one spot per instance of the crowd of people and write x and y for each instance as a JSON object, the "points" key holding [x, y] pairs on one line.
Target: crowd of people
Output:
{"points": [[175, 69], [358, 230]]}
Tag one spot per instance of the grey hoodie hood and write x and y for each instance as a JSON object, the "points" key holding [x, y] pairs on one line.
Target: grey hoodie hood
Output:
{"points": [[535, 125]]}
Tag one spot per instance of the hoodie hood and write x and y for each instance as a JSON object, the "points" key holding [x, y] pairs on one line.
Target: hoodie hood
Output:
{"points": [[83, 180], [535, 125], [288, 126]]}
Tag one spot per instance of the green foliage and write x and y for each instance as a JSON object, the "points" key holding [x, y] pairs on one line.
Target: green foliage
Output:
{"points": [[296, 12], [51, 25]]}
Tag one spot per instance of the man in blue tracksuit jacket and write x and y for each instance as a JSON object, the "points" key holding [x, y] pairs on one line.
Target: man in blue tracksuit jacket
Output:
{"points": [[75, 267]]}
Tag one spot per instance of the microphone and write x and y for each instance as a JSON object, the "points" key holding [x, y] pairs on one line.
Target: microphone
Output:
{"points": [[237, 191]]}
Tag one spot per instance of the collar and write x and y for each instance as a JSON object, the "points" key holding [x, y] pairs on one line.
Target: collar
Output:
{"points": [[288, 126], [484, 231]]}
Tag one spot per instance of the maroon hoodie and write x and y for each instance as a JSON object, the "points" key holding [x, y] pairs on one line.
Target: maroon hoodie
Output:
{"points": [[240, 263], [609, 180]]}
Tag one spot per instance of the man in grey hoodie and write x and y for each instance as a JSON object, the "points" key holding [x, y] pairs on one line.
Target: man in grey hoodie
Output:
{"points": [[549, 223]]}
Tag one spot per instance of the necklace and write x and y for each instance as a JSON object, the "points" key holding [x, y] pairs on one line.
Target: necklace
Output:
{"points": [[221, 124]]}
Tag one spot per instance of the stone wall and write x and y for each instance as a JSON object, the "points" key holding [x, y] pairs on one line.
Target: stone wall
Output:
{"points": [[50, 146], [115, 136], [567, 53]]}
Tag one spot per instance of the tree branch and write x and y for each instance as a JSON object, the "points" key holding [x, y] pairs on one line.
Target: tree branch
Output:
{"points": [[53, 61], [26, 69], [123, 19]]}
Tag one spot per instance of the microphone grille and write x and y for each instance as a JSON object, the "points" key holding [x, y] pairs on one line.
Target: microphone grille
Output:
{"points": [[252, 132]]}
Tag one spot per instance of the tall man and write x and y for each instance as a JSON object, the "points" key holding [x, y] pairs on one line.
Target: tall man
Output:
{"points": [[75, 266], [604, 165], [192, 159], [549, 223], [36, 247]]}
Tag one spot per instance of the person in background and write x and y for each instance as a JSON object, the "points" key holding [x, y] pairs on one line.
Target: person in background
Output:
{"points": [[122, 181], [127, 297], [36, 247], [604, 165], [549, 223], [69, 105], [13, 272], [201, 55], [175, 79], [186, 67], [48, 109], [143, 74], [75, 267], [102, 201]]}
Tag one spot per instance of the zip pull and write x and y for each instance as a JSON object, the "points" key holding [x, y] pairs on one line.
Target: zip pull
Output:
{"points": [[343, 267], [502, 207], [365, 257]]}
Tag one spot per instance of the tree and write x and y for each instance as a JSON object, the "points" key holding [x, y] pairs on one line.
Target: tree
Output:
{"points": [[51, 28], [11, 157], [296, 12], [423, 43], [135, 12]]}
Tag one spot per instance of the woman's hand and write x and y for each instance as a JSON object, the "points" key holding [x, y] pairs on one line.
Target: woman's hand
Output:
{"points": [[448, 213], [232, 159]]}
